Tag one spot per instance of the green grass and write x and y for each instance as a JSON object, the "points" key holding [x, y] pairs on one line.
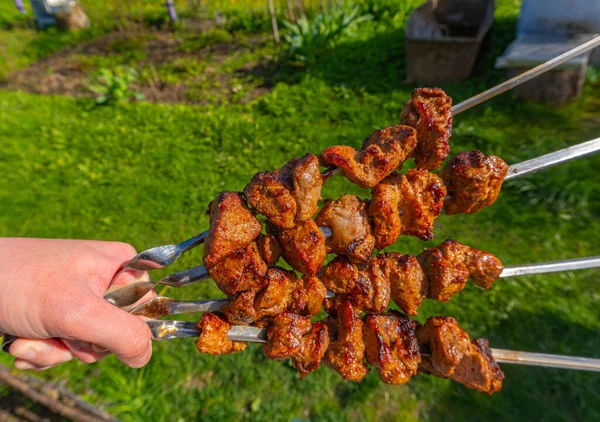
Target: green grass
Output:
{"points": [[145, 173]]}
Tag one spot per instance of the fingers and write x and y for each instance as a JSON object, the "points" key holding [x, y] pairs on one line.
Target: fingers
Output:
{"points": [[39, 354], [94, 320]]}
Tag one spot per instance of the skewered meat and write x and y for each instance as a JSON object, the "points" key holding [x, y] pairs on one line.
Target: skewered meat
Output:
{"points": [[473, 181], [308, 296], [232, 227], [408, 283], [290, 194], [406, 204], [392, 346], [313, 348], [240, 271], [303, 247], [213, 336], [429, 111], [367, 289], [450, 264], [446, 343], [346, 349], [284, 335], [349, 223], [478, 369], [249, 306], [270, 249], [382, 152], [445, 270]]}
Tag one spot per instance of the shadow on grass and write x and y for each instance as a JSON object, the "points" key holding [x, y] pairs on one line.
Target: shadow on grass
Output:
{"points": [[17, 407], [531, 393]]}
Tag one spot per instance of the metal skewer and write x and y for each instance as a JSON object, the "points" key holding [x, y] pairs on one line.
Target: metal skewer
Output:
{"points": [[167, 330], [524, 77]]}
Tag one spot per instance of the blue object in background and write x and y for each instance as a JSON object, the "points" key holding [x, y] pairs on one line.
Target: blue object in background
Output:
{"points": [[20, 6], [44, 11]]}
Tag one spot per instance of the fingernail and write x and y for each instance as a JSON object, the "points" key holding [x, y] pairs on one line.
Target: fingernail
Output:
{"points": [[21, 364], [98, 349], [26, 353]]}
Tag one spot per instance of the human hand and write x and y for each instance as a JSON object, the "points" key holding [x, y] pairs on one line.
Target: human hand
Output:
{"points": [[51, 297]]}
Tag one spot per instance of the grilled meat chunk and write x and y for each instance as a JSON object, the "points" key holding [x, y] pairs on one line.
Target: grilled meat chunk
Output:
{"points": [[240, 271], [303, 247], [290, 194], [346, 349], [351, 232], [408, 283], [232, 227], [473, 181], [446, 343], [213, 336], [429, 111], [284, 335], [484, 268], [406, 204], [382, 152], [249, 306], [312, 350], [445, 270], [367, 289], [270, 249], [478, 369], [392, 346], [307, 297]]}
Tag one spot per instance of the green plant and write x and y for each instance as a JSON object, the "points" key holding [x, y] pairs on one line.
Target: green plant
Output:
{"points": [[306, 38], [114, 86]]}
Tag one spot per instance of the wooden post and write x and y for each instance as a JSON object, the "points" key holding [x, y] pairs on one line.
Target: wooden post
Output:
{"points": [[274, 21], [291, 11]]}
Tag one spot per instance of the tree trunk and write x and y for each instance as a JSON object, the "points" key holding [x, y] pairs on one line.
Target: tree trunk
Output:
{"points": [[274, 21], [291, 11], [300, 5]]}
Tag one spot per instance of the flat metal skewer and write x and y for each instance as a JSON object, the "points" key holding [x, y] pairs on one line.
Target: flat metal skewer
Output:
{"points": [[167, 330]]}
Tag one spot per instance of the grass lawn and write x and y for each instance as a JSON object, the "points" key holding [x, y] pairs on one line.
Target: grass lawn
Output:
{"points": [[145, 173]]}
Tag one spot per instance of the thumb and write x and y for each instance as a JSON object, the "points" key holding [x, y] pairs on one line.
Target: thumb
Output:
{"points": [[109, 327]]}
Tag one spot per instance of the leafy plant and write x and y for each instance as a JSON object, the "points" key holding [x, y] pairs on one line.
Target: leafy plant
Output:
{"points": [[114, 86], [307, 38]]}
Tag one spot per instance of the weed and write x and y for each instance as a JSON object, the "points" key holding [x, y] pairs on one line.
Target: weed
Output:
{"points": [[114, 86]]}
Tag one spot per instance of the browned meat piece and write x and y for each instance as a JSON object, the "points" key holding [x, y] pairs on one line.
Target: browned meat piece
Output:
{"points": [[429, 111], [473, 181], [240, 308], [351, 232], [392, 346], [406, 204], [478, 369], [484, 268], [249, 306], [289, 195], [213, 336], [346, 350], [307, 297], [284, 335], [303, 247], [240, 271], [269, 249], [367, 289], [408, 283], [313, 348], [276, 297], [381, 153], [232, 227], [446, 343], [445, 270]]}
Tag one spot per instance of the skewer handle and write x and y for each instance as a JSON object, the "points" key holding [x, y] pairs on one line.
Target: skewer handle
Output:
{"points": [[524, 77], [545, 360], [552, 267], [552, 159]]}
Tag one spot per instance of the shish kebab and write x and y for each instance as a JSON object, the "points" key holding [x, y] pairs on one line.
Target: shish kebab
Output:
{"points": [[130, 294], [160, 257]]}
